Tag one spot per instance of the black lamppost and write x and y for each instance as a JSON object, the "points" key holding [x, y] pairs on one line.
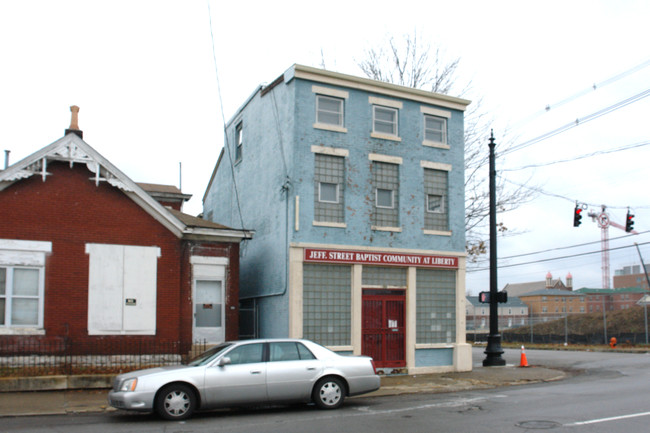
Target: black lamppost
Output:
{"points": [[493, 350]]}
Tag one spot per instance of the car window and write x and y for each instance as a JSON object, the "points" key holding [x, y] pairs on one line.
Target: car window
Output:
{"points": [[287, 351], [304, 352], [208, 355], [246, 354]]}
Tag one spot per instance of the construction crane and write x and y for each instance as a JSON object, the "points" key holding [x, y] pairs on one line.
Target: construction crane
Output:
{"points": [[604, 222]]}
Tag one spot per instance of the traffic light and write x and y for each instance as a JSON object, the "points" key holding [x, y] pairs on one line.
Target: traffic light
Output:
{"points": [[576, 216], [629, 222]]}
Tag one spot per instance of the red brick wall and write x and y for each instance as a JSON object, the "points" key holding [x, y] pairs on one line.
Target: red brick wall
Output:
{"points": [[70, 211]]}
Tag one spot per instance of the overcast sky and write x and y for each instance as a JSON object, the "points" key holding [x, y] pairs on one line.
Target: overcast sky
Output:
{"points": [[144, 76]]}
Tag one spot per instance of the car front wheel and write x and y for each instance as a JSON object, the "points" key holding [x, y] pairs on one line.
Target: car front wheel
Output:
{"points": [[329, 393], [175, 402]]}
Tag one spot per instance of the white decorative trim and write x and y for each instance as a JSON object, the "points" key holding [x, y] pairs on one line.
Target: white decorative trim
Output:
{"points": [[435, 144], [386, 229], [385, 136], [334, 151], [385, 158], [437, 232], [328, 91], [14, 330], [436, 165], [435, 112], [206, 260], [372, 86], [328, 224], [327, 127], [19, 245], [385, 102]]}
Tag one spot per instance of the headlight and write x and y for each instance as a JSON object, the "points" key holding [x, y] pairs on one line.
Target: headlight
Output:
{"points": [[129, 385]]}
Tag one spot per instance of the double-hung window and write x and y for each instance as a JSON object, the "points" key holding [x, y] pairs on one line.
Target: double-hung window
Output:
{"points": [[435, 129], [384, 120], [329, 110], [22, 284]]}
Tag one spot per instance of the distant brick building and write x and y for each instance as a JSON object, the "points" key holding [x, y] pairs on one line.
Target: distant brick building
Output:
{"points": [[88, 254], [631, 276]]}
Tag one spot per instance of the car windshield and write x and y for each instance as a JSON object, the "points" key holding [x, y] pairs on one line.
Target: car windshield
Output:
{"points": [[208, 355]]}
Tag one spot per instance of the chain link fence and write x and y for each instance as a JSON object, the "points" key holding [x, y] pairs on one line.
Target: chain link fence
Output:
{"points": [[628, 327]]}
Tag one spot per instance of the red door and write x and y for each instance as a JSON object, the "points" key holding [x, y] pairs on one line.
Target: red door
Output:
{"points": [[382, 333]]}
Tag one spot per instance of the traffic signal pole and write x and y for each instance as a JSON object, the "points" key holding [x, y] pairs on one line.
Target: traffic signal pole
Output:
{"points": [[493, 350]]}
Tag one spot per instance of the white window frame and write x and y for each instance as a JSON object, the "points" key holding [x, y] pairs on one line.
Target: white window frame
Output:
{"points": [[239, 141], [19, 254], [441, 208], [320, 192], [10, 298], [340, 113], [442, 131], [395, 123], [392, 198]]}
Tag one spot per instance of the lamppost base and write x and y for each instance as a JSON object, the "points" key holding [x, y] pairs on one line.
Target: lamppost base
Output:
{"points": [[494, 352]]}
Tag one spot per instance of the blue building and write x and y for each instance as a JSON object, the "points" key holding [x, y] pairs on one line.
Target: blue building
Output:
{"points": [[355, 191]]}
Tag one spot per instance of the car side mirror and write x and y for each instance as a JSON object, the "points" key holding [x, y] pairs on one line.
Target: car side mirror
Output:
{"points": [[224, 361]]}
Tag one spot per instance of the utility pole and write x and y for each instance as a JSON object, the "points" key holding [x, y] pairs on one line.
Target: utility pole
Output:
{"points": [[493, 349]]}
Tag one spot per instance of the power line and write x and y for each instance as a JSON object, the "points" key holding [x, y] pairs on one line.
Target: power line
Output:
{"points": [[554, 258], [585, 91], [577, 158], [578, 121], [573, 200]]}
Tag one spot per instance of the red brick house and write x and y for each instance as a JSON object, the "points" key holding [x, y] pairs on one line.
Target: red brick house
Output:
{"points": [[88, 255]]}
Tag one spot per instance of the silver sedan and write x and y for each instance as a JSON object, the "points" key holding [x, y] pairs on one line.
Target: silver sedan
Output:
{"points": [[245, 373]]}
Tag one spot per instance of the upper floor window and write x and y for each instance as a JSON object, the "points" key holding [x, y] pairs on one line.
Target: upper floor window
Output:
{"points": [[384, 120], [329, 110], [436, 185], [329, 181], [239, 141], [385, 178], [435, 129]]}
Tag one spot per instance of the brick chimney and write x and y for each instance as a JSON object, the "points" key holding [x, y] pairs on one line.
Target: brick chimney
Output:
{"points": [[74, 123]]}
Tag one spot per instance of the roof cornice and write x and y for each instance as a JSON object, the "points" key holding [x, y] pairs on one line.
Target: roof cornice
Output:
{"points": [[380, 87]]}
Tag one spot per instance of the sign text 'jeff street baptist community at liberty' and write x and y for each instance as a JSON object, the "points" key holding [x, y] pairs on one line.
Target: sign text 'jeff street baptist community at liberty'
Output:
{"points": [[376, 258]]}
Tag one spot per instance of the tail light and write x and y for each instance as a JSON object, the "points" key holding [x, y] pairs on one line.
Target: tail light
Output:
{"points": [[374, 368]]}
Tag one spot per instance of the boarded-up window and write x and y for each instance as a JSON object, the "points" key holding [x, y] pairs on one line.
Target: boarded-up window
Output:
{"points": [[122, 289]]}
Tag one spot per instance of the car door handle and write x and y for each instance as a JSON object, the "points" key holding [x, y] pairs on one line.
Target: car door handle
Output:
{"points": [[311, 368], [256, 371]]}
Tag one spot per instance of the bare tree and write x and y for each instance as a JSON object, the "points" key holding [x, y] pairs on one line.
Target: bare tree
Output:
{"points": [[408, 61]]}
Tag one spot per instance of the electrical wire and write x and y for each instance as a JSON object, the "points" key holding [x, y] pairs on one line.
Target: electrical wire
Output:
{"points": [[555, 258], [577, 122], [577, 158], [592, 88], [223, 119]]}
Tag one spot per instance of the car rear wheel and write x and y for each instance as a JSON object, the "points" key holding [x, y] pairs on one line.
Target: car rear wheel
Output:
{"points": [[329, 393], [175, 402]]}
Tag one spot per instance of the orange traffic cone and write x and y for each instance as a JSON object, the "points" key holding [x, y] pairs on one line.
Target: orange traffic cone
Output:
{"points": [[523, 362]]}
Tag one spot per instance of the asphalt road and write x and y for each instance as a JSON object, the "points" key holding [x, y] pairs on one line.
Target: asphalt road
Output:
{"points": [[608, 395]]}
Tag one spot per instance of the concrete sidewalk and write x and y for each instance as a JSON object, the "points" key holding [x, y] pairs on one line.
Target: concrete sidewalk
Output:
{"points": [[95, 400]]}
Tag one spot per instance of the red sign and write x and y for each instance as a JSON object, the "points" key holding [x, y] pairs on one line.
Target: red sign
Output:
{"points": [[375, 258]]}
